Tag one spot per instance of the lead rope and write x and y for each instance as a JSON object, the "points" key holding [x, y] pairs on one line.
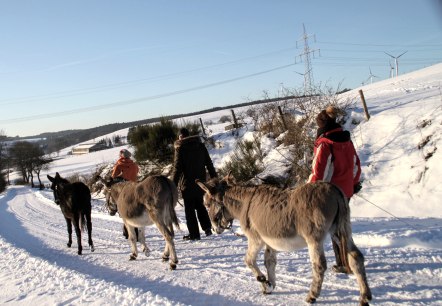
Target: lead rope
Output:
{"points": [[248, 208], [399, 219]]}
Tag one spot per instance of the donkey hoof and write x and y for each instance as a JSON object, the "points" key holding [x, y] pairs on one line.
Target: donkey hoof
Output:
{"points": [[165, 259], [92, 247], [261, 278], [69, 244], [310, 300], [172, 266], [363, 302], [79, 252], [133, 256], [267, 288]]}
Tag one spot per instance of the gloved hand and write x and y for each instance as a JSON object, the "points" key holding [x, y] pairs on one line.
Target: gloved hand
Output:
{"points": [[357, 187]]}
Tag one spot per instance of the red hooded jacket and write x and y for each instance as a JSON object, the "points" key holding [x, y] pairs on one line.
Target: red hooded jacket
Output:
{"points": [[126, 169], [336, 161]]}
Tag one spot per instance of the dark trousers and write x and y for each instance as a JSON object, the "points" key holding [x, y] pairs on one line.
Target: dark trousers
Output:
{"points": [[193, 207]]}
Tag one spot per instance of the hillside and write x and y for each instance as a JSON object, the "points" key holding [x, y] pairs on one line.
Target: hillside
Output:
{"points": [[55, 141]]}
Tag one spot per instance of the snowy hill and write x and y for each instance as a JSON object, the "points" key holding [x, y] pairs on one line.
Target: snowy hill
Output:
{"points": [[397, 223]]}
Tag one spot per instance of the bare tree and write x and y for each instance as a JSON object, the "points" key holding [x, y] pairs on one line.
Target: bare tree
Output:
{"points": [[29, 158]]}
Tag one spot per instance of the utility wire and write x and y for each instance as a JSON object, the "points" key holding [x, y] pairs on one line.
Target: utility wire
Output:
{"points": [[69, 93], [378, 45], [138, 100]]}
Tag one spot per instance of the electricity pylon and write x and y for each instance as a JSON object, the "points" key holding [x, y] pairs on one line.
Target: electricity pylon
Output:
{"points": [[305, 56]]}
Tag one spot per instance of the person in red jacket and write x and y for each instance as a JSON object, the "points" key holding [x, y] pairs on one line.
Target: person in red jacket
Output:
{"points": [[125, 168], [335, 160]]}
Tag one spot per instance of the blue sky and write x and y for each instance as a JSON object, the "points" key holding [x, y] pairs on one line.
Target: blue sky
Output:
{"points": [[81, 64]]}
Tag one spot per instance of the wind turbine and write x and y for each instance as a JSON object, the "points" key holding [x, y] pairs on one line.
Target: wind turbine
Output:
{"points": [[391, 69], [371, 76], [396, 61]]}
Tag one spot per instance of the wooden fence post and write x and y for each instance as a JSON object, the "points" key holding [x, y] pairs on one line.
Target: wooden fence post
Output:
{"points": [[367, 115], [234, 119], [202, 127], [282, 118]]}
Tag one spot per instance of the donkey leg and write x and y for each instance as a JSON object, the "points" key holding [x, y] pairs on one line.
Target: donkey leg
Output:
{"points": [[89, 230], [132, 241], [69, 226], [254, 246], [78, 232], [140, 233], [270, 264], [319, 265], [356, 262], [169, 249]]}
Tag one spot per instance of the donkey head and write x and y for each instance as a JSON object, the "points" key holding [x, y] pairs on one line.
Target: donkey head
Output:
{"points": [[214, 201], [111, 204], [57, 186]]}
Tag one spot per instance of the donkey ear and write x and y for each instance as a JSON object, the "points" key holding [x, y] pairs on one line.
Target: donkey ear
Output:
{"points": [[98, 178], [230, 179], [203, 186], [50, 178], [57, 174], [108, 183]]}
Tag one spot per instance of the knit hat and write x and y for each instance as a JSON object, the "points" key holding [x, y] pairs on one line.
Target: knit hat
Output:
{"points": [[184, 132], [125, 153], [331, 111], [324, 119]]}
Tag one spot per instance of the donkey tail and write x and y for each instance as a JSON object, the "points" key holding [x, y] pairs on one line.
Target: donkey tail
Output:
{"points": [[343, 228], [173, 202]]}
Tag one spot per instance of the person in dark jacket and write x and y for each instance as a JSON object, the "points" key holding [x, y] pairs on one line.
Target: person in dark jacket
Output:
{"points": [[335, 160], [190, 163]]}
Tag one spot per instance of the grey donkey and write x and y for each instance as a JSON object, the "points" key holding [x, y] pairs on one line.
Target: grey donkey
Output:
{"points": [[286, 220], [139, 204]]}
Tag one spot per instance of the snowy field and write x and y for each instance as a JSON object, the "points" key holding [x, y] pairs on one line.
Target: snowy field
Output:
{"points": [[396, 219]]}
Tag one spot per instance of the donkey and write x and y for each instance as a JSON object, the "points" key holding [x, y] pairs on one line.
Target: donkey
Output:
{"points": [[285, 220], [75, 203], [151, 201]]}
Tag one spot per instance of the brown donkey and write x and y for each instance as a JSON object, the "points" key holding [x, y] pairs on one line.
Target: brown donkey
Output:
{"points": [[285, 220], [151, 201]]}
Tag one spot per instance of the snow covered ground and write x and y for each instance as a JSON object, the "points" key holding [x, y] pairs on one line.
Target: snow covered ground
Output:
{"points": [[397, 223]]}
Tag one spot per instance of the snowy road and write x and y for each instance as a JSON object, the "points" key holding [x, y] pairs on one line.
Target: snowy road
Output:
{"points": [[403, 258]]}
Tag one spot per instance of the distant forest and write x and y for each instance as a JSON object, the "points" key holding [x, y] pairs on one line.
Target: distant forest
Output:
{"points": [[55, 141]]}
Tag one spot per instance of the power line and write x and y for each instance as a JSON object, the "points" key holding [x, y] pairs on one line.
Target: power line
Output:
{"points": [[378, 45], [77, 92], [138, 100]]}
